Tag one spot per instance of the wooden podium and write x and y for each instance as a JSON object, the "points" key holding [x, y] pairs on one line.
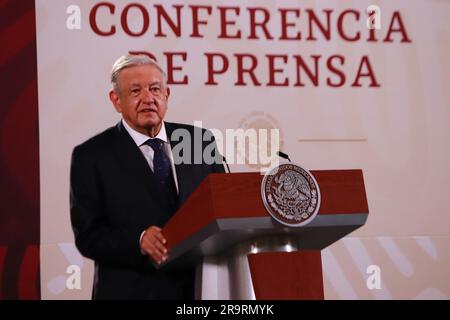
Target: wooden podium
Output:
{"points": [[226, 217]]}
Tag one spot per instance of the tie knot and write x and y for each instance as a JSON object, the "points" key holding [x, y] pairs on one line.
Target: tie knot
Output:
{"points": [[156, 144]]}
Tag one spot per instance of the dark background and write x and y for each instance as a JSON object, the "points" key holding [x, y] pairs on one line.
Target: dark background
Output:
{"points": [[19, 152]]}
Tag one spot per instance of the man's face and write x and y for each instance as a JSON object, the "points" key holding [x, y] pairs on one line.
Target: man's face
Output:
{"points": [[142, 98]]}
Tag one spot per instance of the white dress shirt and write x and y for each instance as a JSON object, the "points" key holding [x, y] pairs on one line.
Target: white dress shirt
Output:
{"points": [[147, 151]]}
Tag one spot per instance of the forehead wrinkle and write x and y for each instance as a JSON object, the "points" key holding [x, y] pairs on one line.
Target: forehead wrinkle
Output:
{"points": [[135, 84], [138, 84]]}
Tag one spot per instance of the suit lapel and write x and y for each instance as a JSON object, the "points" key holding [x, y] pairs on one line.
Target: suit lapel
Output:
{"points": [[182, 169]]}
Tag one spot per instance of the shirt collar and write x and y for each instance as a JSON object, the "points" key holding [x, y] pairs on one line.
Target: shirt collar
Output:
{"points": [[140, 138]]}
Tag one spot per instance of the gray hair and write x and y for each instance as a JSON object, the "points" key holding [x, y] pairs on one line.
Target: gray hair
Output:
{"points": [[132, 60]]}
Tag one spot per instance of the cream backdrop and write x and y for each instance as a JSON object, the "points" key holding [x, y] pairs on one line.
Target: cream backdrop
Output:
{"points": [[397, 134]]}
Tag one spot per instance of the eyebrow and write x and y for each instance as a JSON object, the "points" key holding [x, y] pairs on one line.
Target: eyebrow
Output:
{"points": [[151, 84]]}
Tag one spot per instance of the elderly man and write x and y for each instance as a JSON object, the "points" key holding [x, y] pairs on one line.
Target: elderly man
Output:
{"points": [[126, 184]]}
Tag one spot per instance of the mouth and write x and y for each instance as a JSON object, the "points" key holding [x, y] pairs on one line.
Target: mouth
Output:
{"points": [[148, 110]]}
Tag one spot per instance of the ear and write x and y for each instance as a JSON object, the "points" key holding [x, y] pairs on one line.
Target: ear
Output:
{"points": [[115, 99], [167, 93]]}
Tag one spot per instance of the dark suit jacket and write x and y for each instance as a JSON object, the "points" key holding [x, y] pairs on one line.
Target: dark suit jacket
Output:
{"points": [[113, 199]]}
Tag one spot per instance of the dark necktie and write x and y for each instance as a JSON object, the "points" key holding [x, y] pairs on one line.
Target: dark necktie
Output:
{"points": [[161, 162], [163, 175]]}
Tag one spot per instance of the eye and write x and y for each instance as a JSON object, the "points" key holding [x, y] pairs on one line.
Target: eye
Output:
{"points": [[155, 90], [135, 91]]}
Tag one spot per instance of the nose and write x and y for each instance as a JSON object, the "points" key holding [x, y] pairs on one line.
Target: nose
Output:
{"points": [[147, 96]]}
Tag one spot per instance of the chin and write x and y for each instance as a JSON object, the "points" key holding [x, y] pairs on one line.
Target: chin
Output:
{"points": [[152, 123]]}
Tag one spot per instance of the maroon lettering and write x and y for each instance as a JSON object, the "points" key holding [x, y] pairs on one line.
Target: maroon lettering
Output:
{"points": [[336, 71], [401, 28], [262, 24], [373, 81], [249, 70], [93, 19], [145, 20], [324, 29], [285, 24], [211, 70], [273, 70], [162, 13], [196, 22], [171, 68], [340, 25], [224, 22], [372, 35], [313, 76]]}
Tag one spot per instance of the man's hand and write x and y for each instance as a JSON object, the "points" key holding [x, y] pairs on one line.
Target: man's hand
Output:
{"points": [[153, 243]]}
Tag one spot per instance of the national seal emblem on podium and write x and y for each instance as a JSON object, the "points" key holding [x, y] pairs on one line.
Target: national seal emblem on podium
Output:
{"points": [[291, 195]]}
